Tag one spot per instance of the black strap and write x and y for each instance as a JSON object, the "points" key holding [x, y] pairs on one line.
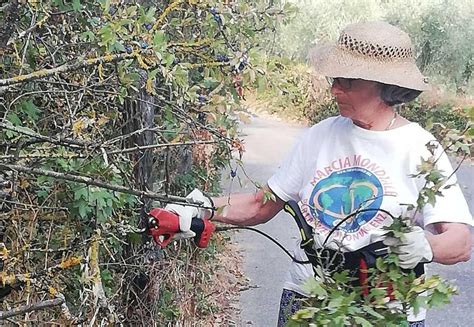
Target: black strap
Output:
{"points": [[336, 260]]}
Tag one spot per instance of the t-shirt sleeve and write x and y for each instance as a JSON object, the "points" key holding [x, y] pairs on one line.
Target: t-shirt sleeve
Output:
{"points": [[451, 206], [287, 181]]}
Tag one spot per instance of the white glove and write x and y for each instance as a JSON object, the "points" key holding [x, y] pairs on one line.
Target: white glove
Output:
{"points": [[412, 248], [186, 213]]}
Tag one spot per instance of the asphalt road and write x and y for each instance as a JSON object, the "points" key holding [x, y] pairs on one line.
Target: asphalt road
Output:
{"points": [[267, 142]]}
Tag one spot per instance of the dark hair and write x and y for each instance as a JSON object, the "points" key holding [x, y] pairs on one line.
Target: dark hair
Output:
{"points": [[393, 94]]}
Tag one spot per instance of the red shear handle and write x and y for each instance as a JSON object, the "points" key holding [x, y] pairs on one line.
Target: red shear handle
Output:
{"points": [[203, 229], [163, 225]]}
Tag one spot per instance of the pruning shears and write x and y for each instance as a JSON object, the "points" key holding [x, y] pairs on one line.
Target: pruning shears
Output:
{"points": [[164, 224]]}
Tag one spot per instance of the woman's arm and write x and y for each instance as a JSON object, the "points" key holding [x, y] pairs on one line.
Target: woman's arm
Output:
{"points": [[247, 209], [452, 244]]}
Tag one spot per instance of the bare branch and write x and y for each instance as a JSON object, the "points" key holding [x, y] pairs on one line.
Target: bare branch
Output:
{"points": [[90, 181], [120, 151], [163, 145], [58, 141], [31, 307]]}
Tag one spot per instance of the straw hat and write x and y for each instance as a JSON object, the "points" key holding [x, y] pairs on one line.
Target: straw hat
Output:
{"points": [[374, 51]]}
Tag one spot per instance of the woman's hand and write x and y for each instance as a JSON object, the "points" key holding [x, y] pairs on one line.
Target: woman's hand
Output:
{"points": [[452, 243], [187, 213]]}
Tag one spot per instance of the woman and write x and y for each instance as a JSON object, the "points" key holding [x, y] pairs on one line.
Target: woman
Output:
{"points": [[364, 157]]}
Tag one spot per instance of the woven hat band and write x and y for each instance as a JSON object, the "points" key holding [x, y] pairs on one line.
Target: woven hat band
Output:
{"points": [[373, 50]]}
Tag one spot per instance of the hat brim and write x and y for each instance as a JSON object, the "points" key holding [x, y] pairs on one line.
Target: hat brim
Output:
{"points": [[332, 61]]}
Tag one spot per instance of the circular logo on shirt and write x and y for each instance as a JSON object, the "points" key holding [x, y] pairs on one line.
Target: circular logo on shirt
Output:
{"points": [[342, 193]]}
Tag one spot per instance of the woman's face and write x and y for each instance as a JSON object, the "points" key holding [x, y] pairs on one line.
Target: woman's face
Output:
{"points": [[356, 98]]}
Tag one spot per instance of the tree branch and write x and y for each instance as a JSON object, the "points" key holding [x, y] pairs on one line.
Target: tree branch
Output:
{"points": [[58, 141], [31, 307], [120, 151], [163, 145], [90, 181], [66, 68]]}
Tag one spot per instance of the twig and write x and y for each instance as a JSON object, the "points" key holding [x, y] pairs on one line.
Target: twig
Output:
{"points": [[58, 141], [30, 29], [82, 155], [159, 21], [31, 307], [91, 181], [26, 205], [66, 68], [163, 145]]}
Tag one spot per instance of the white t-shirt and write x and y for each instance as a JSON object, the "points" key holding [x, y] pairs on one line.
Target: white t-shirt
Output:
{"points": [[337, 167]]}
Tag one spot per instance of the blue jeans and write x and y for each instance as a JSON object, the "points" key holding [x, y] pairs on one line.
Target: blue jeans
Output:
{"points": [[291, 302]]}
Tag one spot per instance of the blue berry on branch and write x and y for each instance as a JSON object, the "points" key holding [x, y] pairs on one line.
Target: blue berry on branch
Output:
{"points": [[128, 48], [201, 98], [222, 58], [201, 116], [112, 10]]}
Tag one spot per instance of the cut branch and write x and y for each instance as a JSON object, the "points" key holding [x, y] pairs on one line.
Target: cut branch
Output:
{"points": [[90, 181], [31, 307]]}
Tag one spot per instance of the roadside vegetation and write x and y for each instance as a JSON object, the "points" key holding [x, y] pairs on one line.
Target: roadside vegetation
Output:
{"points": [[108, 109]]}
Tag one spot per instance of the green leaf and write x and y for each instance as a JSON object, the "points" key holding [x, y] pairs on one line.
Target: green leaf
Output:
{"points": [[14, 119], [362, 322], [30, 109], [437, 299], [81, 193], [88, 36], [372, 312], [315, 287], [381, 265], [83, 209], [76, 5], [159, 41], [106, 275], [420, 302], [106, 5]]}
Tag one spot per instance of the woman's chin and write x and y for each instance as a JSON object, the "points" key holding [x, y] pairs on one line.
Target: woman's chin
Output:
{"points": [[344, 110]]}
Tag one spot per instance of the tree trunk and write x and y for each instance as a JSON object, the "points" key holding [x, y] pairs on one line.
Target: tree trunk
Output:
{"points": [[140, 115]]}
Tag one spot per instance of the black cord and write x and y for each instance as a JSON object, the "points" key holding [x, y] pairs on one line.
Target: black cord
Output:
{"points": [[222, 228], [225, 228], [352, 215]]}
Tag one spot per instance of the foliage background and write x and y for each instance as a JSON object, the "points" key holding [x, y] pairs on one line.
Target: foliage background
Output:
{"points": [[441, 31]]}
